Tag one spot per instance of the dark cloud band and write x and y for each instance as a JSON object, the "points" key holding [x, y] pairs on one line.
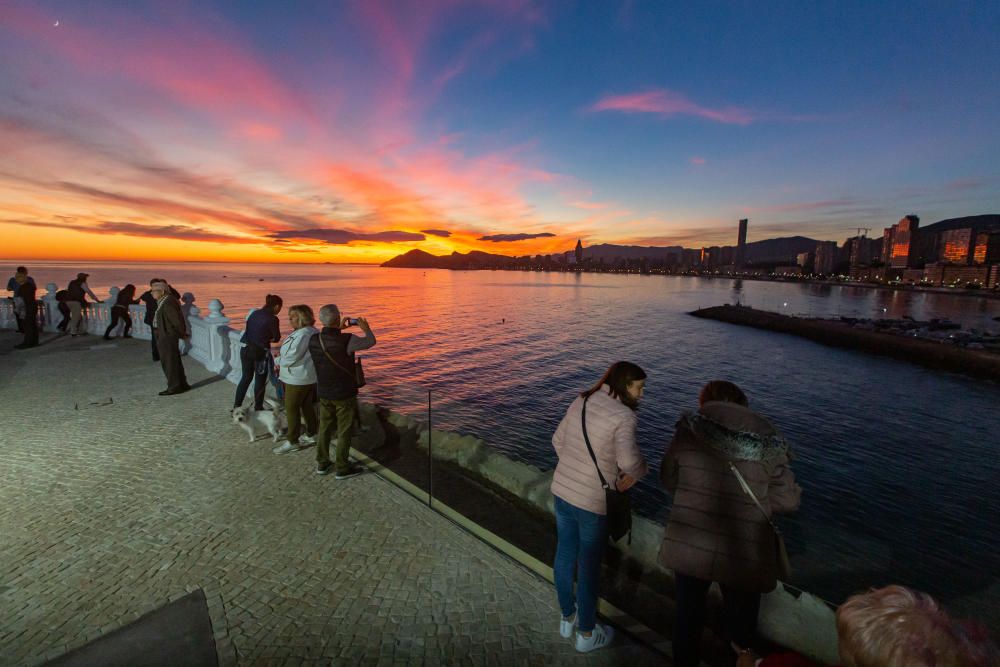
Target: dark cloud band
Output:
{"points": [[344, 237], [501, 238]]}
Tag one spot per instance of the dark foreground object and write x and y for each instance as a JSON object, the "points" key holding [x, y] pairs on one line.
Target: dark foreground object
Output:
{"points": [[838, 334], [179, 633]]}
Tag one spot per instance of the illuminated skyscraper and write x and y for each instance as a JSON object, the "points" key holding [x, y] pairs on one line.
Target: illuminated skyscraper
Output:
{"points": [[741, 245], [956, 246], [904, 254]]}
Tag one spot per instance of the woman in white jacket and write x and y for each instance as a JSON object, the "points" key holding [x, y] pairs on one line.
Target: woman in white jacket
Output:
{"points": [[299, 376], [581, 510]]}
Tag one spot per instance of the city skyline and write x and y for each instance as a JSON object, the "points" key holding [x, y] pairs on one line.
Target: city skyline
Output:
{"points": [[245, 132]]}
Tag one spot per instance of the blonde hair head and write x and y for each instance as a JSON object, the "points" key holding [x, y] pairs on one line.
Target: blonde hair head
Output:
{"points": [[305, 313], [898, 627]]}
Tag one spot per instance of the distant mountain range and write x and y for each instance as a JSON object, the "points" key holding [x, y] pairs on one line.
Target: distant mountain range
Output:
{"points": [[769, 251]]}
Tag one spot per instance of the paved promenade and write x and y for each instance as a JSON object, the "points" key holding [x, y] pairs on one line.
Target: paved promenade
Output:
{"points": [[114, 501]]}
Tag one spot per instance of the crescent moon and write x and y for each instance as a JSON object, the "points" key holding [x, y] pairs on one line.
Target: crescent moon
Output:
{"points": [[56, 24]]}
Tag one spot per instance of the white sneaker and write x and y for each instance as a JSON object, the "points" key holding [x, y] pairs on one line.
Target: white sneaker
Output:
{"points": [[599, 638], [307, 440], [286, 447], [566, 626]]}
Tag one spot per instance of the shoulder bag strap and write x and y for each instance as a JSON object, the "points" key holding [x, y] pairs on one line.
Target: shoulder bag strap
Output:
{"points": [[332, 360], [590, 449], [747, 490]]}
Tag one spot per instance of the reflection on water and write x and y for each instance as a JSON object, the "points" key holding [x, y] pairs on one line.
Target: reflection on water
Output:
{"points": [[899, 463]]}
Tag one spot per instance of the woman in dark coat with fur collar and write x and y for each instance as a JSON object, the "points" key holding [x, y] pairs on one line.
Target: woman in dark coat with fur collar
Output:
{"points": [[715, 532]]}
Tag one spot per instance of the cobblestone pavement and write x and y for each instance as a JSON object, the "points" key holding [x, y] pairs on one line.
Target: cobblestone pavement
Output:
{"points": [[114, 500]]}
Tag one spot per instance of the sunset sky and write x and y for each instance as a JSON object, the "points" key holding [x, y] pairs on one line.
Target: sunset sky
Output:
{"points": [[355, 131]]}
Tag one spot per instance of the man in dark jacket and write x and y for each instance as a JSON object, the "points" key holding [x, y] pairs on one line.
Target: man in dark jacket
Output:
{"points": [[150, 301], [332, 352], [29, 320], [168, 322], [12, 285], [76, 299]]}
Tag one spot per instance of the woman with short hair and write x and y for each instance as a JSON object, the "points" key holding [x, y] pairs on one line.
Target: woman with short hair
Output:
{"points": [[296, 370], [581, 509]]}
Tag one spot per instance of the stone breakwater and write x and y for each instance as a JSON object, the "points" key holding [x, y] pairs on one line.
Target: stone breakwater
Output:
{"points": [[841, 334], [799, 621]]}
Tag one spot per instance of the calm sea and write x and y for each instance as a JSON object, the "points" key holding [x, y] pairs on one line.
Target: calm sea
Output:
{"points": [[900, 465]]}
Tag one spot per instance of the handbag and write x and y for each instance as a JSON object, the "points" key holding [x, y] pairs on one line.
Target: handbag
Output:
{"points": [[784, 565], [359, 371], [619, 506]]}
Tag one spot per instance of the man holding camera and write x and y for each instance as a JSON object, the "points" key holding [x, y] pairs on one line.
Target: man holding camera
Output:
{"points": [[332, 351]]}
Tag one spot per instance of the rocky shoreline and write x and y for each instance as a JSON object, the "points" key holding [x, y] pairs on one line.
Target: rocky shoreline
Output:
{"points": [[836, 333]]}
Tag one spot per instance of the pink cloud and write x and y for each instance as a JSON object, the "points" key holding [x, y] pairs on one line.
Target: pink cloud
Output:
{"points": [[698, 160], [669, 103]]}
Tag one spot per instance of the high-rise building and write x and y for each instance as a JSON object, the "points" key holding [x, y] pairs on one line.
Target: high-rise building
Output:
{"points": [[956, 246], [887, 237], [987, 248], [826, 257], [579, 251], [904, 243], [741, 244]]}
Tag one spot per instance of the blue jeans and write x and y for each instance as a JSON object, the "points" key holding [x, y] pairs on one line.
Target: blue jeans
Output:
{"points": [[582, 538]]}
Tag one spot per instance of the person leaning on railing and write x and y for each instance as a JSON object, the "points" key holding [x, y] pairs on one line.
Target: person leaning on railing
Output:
{"points": [[715, 531], [76, 299], [581, 507], [255, 355]]}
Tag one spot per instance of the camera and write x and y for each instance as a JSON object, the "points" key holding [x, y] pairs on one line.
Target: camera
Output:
{"points": [[352, 321]]}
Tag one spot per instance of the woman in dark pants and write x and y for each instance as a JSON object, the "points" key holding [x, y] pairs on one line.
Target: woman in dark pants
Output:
{"points": [[262, 330], [715, 532], [119, 311]]}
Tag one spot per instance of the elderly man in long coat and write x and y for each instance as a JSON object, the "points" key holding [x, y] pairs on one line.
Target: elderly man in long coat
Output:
{"points": [[170, 328]]}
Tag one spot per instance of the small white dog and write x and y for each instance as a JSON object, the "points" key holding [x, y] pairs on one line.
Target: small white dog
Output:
{"points": [[273, 420]]}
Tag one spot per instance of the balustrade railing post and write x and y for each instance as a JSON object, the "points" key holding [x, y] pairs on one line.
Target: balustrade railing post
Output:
{"points": [[217, 332], [50, 307]]}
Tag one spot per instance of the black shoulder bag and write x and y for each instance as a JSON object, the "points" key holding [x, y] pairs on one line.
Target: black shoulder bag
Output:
{"points": [[619, 506], [359, 373]]}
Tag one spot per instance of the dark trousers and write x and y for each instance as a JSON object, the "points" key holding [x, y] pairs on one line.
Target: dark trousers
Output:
{"points": [[116, 315], [152, 339], [170, 360], [20, 322], [29, 327], [64, 322], [739, 617], [300, 402], [253, 362], [336, 416]]}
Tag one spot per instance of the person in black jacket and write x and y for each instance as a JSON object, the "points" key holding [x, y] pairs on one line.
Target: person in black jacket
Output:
{"points": [[119, 311], [332, 352], [61, 298], [29, 317], [12, 285], [262, 330], [150, 301], [76, 298]]}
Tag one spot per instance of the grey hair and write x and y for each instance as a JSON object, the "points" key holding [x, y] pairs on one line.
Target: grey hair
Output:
{"points": [[159, 284], [330, 315]]}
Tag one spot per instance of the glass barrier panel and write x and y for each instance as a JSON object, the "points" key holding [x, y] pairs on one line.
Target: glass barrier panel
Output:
{"points": [[391, 434]]}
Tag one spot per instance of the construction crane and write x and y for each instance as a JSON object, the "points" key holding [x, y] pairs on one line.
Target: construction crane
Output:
{"points": [[862, 229]]}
